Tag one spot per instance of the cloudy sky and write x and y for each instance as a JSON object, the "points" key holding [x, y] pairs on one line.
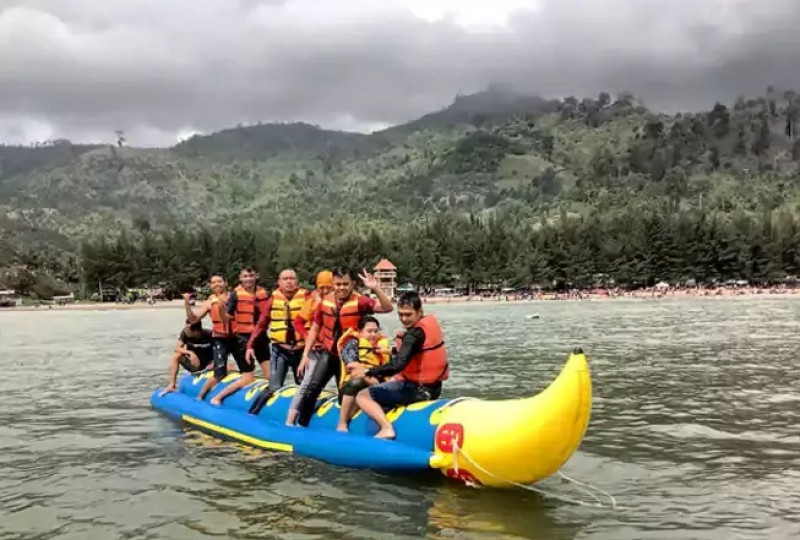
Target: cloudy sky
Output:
{"points": [[160, 69]]}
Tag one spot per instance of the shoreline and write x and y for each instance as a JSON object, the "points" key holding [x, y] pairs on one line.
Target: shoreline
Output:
{"points": [[459, 300]]}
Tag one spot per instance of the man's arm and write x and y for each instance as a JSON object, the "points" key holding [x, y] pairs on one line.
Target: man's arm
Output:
{"points": [[261, 326], [194, 316], [385, 303], [313, 332], [181, 347], [311, 339], [228, 313], [299, 324], [262, 305], [412, 343], [372, 284]]}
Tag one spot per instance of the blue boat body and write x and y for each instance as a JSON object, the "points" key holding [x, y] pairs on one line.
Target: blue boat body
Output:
{"points": [[412, 449]]}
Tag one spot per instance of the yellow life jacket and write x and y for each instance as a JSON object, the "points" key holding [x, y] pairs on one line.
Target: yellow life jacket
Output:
{"points": [[283, 314], [370, 354], [374, 355]]}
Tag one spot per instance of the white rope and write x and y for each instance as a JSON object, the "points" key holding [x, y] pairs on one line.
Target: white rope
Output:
{"points": [[581, 485]]}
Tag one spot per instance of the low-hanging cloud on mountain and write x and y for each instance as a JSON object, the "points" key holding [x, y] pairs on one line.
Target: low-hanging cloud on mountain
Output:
{"points": [[81, 69]]}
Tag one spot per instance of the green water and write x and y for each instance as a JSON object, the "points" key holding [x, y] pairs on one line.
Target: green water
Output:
{"points": [[694, 430]]}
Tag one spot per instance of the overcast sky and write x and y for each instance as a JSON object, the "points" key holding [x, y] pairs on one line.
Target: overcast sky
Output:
{"points": [[159, 69]]}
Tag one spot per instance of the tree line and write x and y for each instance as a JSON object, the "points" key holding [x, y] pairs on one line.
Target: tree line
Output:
{"points": [[633, 247]]}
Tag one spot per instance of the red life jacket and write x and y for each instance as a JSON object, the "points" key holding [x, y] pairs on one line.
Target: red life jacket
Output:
{"points": [[348, 316], [244, 319], [430, 364]]}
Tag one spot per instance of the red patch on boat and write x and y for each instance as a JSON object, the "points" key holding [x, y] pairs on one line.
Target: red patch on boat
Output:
{"points": [[447, 434], [463, 475]]}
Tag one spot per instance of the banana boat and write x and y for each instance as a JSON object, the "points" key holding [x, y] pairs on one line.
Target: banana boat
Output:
{"points": [[479, 442]]}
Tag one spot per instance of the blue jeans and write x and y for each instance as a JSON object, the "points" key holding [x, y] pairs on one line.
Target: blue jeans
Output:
{"points": [[390, 394], [279, 364]]}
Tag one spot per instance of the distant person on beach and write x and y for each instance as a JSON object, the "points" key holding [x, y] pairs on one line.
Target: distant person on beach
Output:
{"points": [[420, 363], [243, 307], [368, 347], [277, 320], [337, 312], [302, 324], [193, 352]]}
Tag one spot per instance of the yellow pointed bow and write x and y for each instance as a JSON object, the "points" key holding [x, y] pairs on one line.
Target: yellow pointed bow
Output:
{"points": [[495, 443]]}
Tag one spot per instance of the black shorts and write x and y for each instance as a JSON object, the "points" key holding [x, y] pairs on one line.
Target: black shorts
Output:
{"points": [[260, 346], [224, 346], [186, 363], [353, 386]]}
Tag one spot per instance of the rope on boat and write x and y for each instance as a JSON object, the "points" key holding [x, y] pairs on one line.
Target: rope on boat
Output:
{"points": [[584, 487]]}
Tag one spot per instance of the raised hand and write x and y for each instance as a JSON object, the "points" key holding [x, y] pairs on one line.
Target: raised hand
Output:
{"points": [[369, 281]]}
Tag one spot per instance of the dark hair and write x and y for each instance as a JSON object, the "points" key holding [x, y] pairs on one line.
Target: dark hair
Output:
{"points": [[196, 326], [410, 299], [343, 271], [213, 274], [365, 320], [248, 269]]}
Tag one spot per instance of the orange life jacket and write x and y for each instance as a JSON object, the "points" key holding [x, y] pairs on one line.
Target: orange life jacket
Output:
{"points": [[430, 364], [348, 316], [306, 313], [310, 306], [244, 319], [219, 328], [283, 314]]}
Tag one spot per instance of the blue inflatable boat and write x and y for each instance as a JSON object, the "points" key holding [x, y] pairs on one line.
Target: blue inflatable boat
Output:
{"points": [[476, 441]]}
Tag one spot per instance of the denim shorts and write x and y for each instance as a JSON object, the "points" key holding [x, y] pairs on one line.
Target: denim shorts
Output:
{"points": [[390, 394]]}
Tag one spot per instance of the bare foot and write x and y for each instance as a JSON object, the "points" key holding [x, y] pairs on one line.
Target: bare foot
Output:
{"points": [[342, 428], [216, 401], [385, 434], [167, 390]]}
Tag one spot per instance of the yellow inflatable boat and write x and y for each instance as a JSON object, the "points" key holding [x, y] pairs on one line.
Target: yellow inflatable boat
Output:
{"points": [[522, 441]]}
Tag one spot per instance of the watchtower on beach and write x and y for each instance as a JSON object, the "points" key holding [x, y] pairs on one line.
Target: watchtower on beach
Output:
{"points": [[386, 274]]}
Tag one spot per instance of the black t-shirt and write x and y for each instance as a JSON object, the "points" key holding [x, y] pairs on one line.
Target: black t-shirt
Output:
{"points": [[200, 345]]}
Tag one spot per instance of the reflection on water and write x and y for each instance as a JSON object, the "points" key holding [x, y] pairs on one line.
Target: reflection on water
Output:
{"points": [[694, 430]]}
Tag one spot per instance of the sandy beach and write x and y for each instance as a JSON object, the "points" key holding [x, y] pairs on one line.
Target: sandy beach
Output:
{"points": [[97, 306], [594, 295]]}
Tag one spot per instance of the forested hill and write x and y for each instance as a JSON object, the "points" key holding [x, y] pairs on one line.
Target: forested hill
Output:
{"points": [[496, 188]]}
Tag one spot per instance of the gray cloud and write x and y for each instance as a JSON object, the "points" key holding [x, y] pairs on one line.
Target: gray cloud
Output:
{"points": [[81, 69]]}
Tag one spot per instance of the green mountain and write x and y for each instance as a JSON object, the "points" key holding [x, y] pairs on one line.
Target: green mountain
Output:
{"points": [[491, 155]]}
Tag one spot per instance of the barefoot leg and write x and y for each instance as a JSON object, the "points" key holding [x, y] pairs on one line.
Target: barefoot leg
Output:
{"points": [[242, 381], [209, 384], [372, 409], [291, 417], [348, 409], [174, 365]]}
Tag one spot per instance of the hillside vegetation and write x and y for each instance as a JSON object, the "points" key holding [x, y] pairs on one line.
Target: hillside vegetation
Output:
{"points": [[497, 188]]}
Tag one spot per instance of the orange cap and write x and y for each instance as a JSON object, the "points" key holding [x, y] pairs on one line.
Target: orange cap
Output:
{"points": [[324, 278]]}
